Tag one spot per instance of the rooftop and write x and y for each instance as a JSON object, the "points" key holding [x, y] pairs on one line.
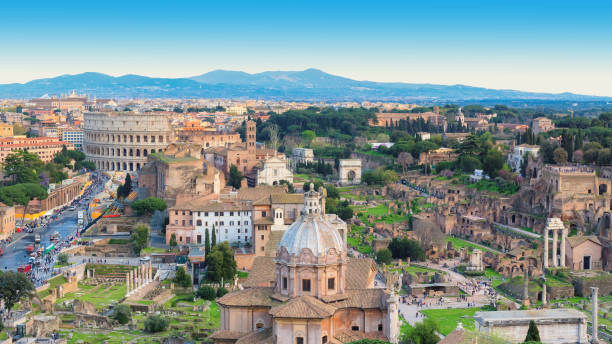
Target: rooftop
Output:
{"points": [[499, 317]]}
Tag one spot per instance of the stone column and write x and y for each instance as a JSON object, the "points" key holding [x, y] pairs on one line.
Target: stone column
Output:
{"points": [[554, 248], [545, 262], [150, 270], [544, 301], [132, 284], [562, 258], [594, 308], [127, 282]]}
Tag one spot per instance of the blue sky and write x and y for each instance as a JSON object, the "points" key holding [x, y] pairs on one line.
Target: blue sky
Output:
{"points": [[548, 46]]}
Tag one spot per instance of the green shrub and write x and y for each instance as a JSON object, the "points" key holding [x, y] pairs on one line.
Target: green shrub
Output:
{"points": [[221, 291], [122, 313], [155, 323], [206, 292]]}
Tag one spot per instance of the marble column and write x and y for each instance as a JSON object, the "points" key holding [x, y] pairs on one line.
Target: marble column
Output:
{"points": [[545, 259], [544, 297], [554, 249], [127, 282], [562, 258], [132, 280], [594, 308], [150, 271]]}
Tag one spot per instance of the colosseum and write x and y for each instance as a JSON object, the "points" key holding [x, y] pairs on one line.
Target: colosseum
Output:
{"points": [[121, 141]]}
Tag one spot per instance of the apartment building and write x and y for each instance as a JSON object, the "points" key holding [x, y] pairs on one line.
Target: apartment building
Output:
{"points": [[230, 219], [45, 147]]}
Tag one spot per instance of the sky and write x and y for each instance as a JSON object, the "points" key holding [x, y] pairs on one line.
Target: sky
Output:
{"points": [[542, 46]]}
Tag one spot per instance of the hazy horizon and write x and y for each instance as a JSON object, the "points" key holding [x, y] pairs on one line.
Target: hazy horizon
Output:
{"points": [[520, 45]]}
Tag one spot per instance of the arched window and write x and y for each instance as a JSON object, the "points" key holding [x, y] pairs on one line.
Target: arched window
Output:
{"points": [[198, 222], [144, 152]]}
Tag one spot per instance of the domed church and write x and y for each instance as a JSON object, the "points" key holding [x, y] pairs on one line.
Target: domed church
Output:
{"points": [[311, 292]]}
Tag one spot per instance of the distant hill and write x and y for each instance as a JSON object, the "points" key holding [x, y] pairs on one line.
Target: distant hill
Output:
{"points": [[310, 84]]}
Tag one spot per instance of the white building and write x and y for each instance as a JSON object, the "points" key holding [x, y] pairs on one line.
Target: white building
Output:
{"points": [[273, 170], [231, 219], [516, 157], [73, 136], [302, 156]]}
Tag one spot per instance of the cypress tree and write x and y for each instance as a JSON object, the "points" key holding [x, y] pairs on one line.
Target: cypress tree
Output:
{"points": [[127, 186], [206, 243], [533, 335], [213, 240]]}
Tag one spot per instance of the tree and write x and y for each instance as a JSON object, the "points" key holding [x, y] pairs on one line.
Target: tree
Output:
{"points": [[221, 291], [140, 237], [149, 205], [405, 159], [182, 278], [14, 287], [308, 136], [62, 259], [213, 237], [122, 313], [422, 333], [221, 263], [560, 155], [127, 185], [493, 162], [22, 194], [273, 137], [22, 167], [173, 242], [533, 334], [235, 177], [206, 292], [206, 242], [384, 256], [404, 248], [155, 323]]}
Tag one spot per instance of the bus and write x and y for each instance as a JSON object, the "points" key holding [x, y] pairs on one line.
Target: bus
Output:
{"points": [[80, 217], [49, 248]]}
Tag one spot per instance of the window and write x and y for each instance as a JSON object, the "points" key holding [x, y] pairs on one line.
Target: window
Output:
{"points": [[380, 327], [263, 214], [199, 222], [324, 340], [262, 237], [183, 222], [306, 285], [284, 282], [331, 283], [231, 213], [354, 328], [299, 340]]}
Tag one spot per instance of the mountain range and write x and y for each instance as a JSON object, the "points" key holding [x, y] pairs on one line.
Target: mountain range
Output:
{"points": [[310, 84]]}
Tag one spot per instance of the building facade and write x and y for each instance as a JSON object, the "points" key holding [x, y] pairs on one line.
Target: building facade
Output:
{"points": [[230, 219], [73, 136], [121, 141], [273, 171], [7, 221], [516, 157], [45, 147], [6, 130]]}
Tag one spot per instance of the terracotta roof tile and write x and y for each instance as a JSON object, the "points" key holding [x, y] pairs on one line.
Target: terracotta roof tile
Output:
{"points": [[248, 297], [305, 307], [360, 273], [363, 298], [262, 273], [287, 198], [224, 334], [347, 336]]}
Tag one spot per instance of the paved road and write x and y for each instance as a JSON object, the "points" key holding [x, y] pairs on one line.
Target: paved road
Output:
{"points": [[66, 225]]}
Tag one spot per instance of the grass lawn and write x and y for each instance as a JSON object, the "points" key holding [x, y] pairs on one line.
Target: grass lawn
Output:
{"points": [[447, 319], [381, 210], [148, 250], [59, 265], [496, 278], [57, 280], [460, 243], [114, 337], [101, 296]]}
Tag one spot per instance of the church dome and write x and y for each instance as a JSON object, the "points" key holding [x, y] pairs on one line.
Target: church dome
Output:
{"points": [[312, 230]]}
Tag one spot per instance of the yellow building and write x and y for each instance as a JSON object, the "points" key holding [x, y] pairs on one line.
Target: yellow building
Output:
{"points": [[6, 130], [7, 221]]}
